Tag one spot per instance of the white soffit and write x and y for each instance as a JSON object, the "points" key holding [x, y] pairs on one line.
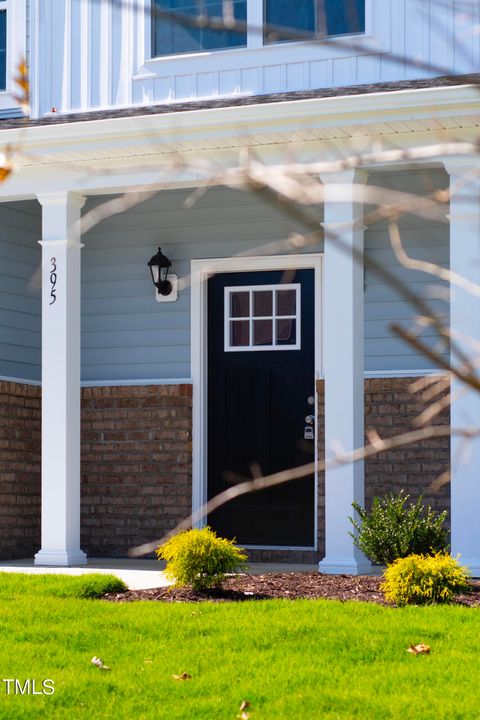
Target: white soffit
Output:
{"points": [[391, 115]]}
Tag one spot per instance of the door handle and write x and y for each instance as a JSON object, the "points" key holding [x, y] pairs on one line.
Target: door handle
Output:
{"points": [[310, 419]]}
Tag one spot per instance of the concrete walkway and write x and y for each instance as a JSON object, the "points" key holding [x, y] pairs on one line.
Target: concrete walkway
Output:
{"points": [[137, 574]]}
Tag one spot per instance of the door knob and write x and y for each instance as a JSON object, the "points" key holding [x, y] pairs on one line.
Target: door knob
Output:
{"points": [[310, 419]]}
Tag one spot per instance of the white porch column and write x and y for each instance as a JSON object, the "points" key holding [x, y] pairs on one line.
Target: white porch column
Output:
{"points": [[343, 365], [61, 380], [465, 327]]}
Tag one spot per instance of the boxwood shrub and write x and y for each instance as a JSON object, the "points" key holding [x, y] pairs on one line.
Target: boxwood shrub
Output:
{"points": [[394, 529]]}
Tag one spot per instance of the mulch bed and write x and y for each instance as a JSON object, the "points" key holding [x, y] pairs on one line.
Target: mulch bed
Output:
{"points": [[289, 586]]}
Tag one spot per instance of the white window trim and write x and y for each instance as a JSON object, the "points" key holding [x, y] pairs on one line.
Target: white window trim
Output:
{"points": [[201, 270], [262, 348], [376, 38], [16, 47]]}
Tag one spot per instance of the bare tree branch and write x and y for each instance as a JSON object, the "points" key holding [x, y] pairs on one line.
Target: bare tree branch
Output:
{"points": [[428, 267]]}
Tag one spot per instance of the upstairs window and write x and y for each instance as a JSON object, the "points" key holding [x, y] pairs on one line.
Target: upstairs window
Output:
{"points": [[173, 36], [325, 17]]}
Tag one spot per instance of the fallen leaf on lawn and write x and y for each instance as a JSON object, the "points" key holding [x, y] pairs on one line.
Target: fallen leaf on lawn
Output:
{"points": [[420, 649], [99, 663], [183, 676], [244, 715]]}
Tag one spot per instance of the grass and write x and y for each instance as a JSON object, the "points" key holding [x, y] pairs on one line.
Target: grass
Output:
{"points": [[298, 660]]}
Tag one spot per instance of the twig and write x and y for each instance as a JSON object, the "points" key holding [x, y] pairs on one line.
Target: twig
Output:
{"points": [[377, 445]]}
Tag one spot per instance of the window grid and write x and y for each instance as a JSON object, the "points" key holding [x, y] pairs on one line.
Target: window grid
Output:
{"points": [[231, 320]]}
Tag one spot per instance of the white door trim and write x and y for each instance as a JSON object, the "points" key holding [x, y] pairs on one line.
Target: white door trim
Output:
{"points": [[201, 270]]}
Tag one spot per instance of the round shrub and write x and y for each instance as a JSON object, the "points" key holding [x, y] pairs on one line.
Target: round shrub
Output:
{"points": [[199, 558], [424, 579], [392, 529]]}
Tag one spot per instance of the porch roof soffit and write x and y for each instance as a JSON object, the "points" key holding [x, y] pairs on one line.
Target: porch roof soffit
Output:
{"points": [[402, 118]]}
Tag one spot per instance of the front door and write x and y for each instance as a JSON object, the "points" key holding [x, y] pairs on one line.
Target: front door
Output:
{"points": [[260, 392]]}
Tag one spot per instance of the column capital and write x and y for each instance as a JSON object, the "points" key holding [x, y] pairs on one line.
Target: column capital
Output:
{"points": [[66, 197], [352, 176], [461, 164]]}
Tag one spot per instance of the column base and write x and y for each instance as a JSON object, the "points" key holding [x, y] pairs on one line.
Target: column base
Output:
{"points": [[344, 566], [60, 558]]}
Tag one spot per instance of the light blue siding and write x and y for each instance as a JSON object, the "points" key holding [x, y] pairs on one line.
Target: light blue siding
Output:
{"points": [[20, 291], [126, 335], [423, 239]]}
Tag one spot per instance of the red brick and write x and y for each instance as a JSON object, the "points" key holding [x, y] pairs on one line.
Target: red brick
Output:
{"points": [[128, 468]]}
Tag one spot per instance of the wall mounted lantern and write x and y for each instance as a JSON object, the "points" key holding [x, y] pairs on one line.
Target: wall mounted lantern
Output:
{"points": [[165, 283]]}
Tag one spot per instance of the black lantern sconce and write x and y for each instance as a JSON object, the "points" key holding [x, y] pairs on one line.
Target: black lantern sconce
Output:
{"points": [[165, 283]]}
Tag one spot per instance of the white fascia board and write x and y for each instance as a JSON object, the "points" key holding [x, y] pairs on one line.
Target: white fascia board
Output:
{"points": [[264, 118]]}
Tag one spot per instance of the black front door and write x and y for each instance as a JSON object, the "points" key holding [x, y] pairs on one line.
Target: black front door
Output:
{"points": [[260, 390]]}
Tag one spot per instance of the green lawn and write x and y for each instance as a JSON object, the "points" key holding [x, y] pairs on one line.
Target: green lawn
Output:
{"points": [[298, 660]]}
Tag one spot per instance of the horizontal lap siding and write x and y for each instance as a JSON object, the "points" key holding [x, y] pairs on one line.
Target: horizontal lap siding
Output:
{"points": [[424, 239], [126, 334], [20, 291]]}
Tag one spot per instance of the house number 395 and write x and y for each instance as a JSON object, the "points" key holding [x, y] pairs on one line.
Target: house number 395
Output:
{"points": [[53, 280]]}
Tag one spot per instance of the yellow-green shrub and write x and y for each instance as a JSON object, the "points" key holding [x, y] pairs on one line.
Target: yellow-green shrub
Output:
{"points": [[424, 579], [199, 558]]}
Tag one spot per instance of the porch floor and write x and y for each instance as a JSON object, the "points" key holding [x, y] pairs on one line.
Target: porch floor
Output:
{"points": [[137, 574]]}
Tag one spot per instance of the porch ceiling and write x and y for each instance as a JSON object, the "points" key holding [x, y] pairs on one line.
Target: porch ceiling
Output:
{"points": [[166, 146]]}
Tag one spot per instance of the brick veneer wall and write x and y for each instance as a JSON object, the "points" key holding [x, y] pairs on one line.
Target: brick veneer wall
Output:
{"points": [[136, 465], [390, 408], [136, 462], [20, 470]]}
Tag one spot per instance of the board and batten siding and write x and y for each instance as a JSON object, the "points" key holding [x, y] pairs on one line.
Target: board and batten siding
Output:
{"points": [[127, 335], [98, 54], [20, 291]]}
